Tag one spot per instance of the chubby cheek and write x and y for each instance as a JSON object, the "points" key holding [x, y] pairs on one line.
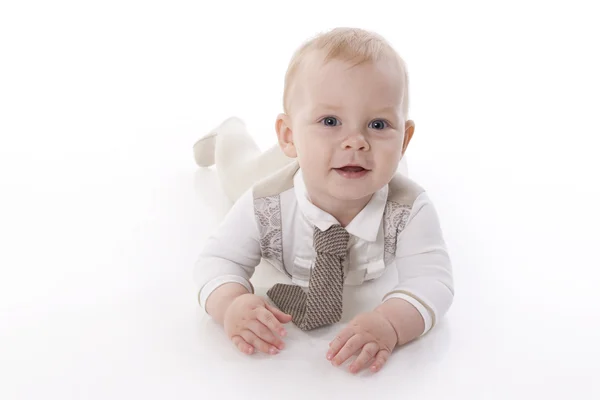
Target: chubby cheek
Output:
{"points": [[388, 158], [313, 155]]}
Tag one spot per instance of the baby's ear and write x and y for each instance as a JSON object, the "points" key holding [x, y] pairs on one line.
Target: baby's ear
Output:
{"points": [[285, 135], [409, 130]]}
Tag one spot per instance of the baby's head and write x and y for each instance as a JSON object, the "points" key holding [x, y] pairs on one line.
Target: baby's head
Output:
{"points": [[345, 114]]}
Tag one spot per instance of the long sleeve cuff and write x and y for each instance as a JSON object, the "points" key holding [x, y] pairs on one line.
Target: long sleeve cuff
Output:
{"points": [[423, 264], [213, 284], [424, 310]]}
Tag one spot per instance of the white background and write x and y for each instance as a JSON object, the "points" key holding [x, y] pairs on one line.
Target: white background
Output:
{"points": [[103, 211]]}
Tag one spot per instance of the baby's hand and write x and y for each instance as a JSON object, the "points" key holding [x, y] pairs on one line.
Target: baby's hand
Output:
{"points": [[251, 323], [371, 334]]}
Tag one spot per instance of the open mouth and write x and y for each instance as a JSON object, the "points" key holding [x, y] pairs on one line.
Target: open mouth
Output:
{"points": [[352, 171]]}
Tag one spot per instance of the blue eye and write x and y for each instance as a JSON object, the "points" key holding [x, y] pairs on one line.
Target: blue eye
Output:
{"points": [[330, 121], [378, 124]]}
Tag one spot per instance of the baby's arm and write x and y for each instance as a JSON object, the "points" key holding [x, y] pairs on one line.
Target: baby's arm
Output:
{"points": [[221, 298], [421, 297], [227, 262], [223, 273], [425, 288]]}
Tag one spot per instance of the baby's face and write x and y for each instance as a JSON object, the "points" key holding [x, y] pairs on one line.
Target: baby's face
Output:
{"points": [[347, 127]]}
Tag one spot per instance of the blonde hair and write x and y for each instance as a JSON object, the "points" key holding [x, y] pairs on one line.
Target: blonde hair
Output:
{"points": [[346, 44]]}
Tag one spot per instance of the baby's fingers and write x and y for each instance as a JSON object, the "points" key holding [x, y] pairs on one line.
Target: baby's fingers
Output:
{"points": [[339, 342], [270, 321], [280, 315], [264, 333], [251, 338], [380, 359], [368, 352], [353, 345], [242, 345]]}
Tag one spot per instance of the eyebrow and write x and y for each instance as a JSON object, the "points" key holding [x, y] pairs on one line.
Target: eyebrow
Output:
{"points": [[327, 106], [386, 109], [337, 108]]}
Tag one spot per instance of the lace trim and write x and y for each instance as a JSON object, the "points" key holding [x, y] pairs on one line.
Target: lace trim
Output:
{"points": [[268, 214], [395, 217]]}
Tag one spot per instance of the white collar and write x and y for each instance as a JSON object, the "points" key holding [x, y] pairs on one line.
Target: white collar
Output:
{"points": [[364, 226]]}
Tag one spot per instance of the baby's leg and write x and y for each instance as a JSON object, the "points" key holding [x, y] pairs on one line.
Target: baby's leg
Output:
{"points": [[238, 160], [230, 139]]}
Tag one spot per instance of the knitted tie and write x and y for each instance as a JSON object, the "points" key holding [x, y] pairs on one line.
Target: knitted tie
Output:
{"points": [[323, 303]]}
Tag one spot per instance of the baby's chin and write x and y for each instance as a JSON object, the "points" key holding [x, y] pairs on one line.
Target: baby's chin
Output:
{"points": [[351, 192]]}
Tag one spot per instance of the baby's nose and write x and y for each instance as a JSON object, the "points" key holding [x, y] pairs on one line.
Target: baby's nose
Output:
{"points": [[356, 142]]}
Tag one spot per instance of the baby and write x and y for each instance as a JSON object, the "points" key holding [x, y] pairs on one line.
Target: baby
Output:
{"points": [[328, 208]]}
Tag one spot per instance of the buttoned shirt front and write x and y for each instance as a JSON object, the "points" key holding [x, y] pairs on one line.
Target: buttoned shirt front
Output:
{"points": [[424, 273]]}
